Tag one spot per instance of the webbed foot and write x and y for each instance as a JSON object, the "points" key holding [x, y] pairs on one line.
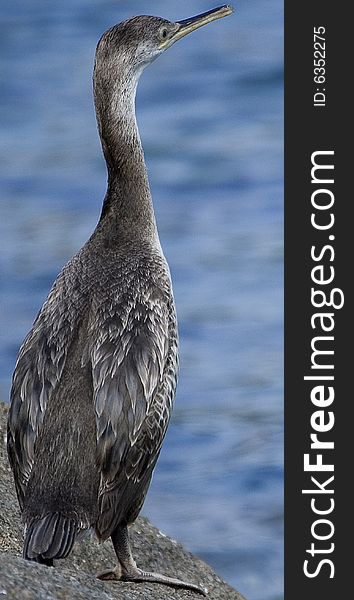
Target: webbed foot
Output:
{"points": [[127, 570]]}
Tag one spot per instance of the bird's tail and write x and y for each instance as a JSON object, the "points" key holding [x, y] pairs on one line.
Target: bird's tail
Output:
{"points": [[49, 537]]}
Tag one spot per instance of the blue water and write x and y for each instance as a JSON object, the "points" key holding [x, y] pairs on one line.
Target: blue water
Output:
{"points": [[210, 116]]}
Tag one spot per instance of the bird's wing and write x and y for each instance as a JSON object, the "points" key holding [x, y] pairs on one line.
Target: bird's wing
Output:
{"points": [[134, 363], [38, 369]]}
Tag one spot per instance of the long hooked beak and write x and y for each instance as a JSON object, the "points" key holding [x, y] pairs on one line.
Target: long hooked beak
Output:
{"points": [[188, 25]]}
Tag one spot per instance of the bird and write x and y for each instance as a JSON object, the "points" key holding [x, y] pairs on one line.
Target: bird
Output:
{"points": [[95, 378]]}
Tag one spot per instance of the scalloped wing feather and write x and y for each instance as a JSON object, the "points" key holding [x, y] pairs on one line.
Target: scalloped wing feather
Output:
{"points": [[134, 366], [38, 370]]}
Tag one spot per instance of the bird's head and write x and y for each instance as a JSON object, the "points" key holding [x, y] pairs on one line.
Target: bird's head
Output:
{"points": [[135, 43]]}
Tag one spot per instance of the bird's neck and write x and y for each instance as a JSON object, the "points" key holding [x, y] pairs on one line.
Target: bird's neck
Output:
{"points": [[127, 207]]}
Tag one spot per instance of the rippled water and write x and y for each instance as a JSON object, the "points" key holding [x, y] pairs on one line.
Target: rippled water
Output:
{"points": [[210, 116]]}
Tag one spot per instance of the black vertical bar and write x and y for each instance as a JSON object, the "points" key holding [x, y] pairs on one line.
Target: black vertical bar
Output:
{"points": [[317, 124]]}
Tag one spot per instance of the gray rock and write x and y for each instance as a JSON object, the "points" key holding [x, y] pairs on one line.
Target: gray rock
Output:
{"points": [[75, 577]]}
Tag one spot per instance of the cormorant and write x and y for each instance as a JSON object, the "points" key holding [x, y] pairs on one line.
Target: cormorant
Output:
{"points": [[95, 378]]}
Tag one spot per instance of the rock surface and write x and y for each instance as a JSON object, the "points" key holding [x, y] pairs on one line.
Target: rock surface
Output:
{"points": [[75, 577]]}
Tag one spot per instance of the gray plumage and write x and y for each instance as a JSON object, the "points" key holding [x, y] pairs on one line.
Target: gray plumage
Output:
{"points": [[95, 378]]}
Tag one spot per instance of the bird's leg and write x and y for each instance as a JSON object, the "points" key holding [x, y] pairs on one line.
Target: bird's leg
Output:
{"points": [[127, 570]]}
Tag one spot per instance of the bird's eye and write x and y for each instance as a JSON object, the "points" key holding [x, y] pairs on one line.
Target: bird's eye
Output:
{"points": [[163, 33]]}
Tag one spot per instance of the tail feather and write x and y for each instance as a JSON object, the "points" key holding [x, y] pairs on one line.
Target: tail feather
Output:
{"points": [[38, 536], [50, 537], [68, 540]]}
